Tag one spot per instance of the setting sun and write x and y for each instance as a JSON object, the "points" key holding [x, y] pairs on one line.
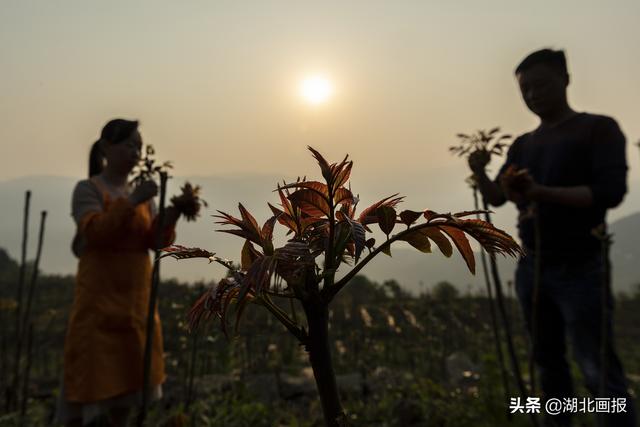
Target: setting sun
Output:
{"points": [[316, 89]]}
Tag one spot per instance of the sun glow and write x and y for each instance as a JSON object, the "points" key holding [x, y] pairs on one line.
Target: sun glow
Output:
{"points": [[316, 89]]}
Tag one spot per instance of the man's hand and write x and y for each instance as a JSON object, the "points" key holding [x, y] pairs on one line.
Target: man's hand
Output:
{"points": [[478, 161], [518, 185], [491, 192]]}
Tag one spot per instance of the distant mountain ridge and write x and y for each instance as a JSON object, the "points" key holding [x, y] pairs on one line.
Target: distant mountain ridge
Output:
{"points": [[412, 269]]}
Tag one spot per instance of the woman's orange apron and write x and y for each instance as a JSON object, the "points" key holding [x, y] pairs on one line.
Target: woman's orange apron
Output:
{"points": [[104, 346]]}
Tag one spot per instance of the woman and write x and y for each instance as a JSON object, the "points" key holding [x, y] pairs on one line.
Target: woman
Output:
{"points": [[116, 227]]}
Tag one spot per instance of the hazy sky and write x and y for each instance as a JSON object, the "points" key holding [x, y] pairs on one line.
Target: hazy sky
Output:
{"points": [[214, 83]]}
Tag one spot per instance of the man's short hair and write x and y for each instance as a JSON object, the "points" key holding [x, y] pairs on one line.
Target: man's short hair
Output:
{"points": [[555, 59]]}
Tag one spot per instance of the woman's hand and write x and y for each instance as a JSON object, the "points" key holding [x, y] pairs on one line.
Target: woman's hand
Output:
{"points": [[143, 192], [171, 215]]}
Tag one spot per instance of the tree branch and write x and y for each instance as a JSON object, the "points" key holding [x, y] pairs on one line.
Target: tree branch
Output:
{"points": [[329, 293], [293, 327]]}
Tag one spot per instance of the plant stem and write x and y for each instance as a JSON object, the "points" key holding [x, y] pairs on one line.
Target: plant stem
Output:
{"points": [[507, 325], [155, 280], [279, 314], [329, 262], [321, 362], [492, 312]]}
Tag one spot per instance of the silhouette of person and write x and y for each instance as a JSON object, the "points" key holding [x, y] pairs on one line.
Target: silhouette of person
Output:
{"points": [[564, 175], [105, 340]]}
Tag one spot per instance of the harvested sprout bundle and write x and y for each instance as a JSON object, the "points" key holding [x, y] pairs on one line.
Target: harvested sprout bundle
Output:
{"points": [[489, 142], [148, 167], [189, 202]]}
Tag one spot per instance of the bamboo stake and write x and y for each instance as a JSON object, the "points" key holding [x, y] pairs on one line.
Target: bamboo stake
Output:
{"points": [[492, 311], [155, 280], [23, 262], [605, 244], [3, 349], [12, 394], [537, 273], [26, 326], [34, 275], [25, 382], [507, 326]]}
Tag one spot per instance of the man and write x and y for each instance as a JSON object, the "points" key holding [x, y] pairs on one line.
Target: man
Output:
{"points": [[563, 176]]}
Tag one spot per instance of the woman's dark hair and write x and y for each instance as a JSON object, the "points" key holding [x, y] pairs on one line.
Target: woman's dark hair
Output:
{"points": [[115, 131], [555, 59]]}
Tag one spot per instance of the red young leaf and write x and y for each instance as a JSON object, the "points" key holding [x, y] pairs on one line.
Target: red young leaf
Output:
{"points": [[267, 229], [428, 214], [358, 234], [199, 309], [248, 255], [342, 195], [368, 216], [249, 221], [286, 205], [315, 186], [386, 218], [324, 165], [419, 241], [248, 227], [310, 202], [183, 252], [440, 240], [409, 217], [342, 173], [462, 243], [492, 239], [284, 218], [258, 276]]}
